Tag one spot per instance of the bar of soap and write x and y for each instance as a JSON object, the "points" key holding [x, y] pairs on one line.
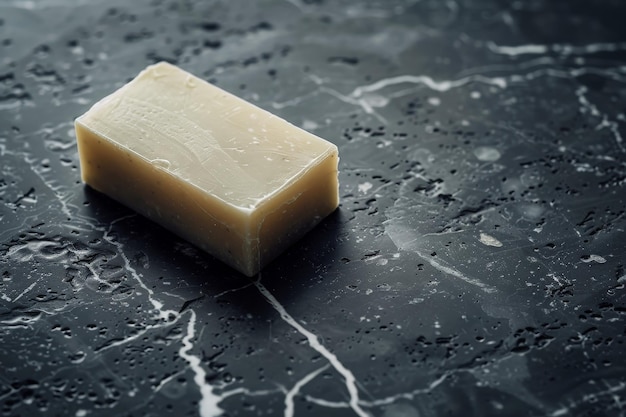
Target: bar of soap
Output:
{"points": [[233, 179]]}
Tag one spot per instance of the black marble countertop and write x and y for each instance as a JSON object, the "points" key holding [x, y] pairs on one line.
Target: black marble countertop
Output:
{"points": [[475, 267]]}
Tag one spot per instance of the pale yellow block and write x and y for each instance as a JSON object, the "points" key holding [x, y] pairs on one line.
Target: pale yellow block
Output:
{"points": [[235, 180]]}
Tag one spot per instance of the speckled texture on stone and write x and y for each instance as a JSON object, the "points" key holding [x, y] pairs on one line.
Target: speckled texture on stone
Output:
{"points": [[476, 266]]}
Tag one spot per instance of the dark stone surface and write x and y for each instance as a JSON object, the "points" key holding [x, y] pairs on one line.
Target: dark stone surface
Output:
{"points": [[474, 268]]}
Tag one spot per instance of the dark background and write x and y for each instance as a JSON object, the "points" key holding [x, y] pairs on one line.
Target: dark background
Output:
{"points": [[474, 268]]}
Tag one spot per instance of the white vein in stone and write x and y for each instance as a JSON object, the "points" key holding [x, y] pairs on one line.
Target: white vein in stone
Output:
{"points": [[165, 380], [295, 390], [209, 402], [518, 49], [404, 239], [588, 107], [563, 49], [135, 336], [243, 287], [358, 94], [249, 393], [30, 287], [57, 189], [441, 266], [610, 390], [293, 101], [381, 401], [314, 342], [367, 103], [158, 305], [408, 395], [429, 82], [363, 96]]}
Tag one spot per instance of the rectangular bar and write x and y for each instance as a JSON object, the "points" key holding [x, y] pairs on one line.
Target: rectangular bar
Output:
{"points": [[235, 180]]}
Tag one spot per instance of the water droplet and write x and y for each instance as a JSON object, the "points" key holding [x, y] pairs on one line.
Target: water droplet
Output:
{"points": [[593, 258], [489, 240], [487, 154], [161, 163], [77, 357]]}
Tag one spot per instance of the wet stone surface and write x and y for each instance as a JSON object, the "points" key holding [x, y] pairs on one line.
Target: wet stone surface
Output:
{"points": [[476, 266]]}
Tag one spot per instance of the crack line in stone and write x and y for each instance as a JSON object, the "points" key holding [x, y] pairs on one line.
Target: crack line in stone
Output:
{"points": [[245, 391], [382, 401], [587, 106], [30, 287], [402, 237], [428, 81], [408, 395], [209, 401], [121, 342], [592, 398], [564, 49], [295, 390], [165, 381], [315, 344]]}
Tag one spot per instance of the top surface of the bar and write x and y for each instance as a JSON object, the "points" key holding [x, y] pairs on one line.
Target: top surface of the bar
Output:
{"points": [[204, 135]]}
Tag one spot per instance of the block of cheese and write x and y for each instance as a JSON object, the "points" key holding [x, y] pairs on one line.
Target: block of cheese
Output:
{"points": [[233, 179]]}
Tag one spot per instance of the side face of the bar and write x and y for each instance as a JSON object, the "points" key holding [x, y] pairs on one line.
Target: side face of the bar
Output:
{"points": [[153, 192], [289, 215]]}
